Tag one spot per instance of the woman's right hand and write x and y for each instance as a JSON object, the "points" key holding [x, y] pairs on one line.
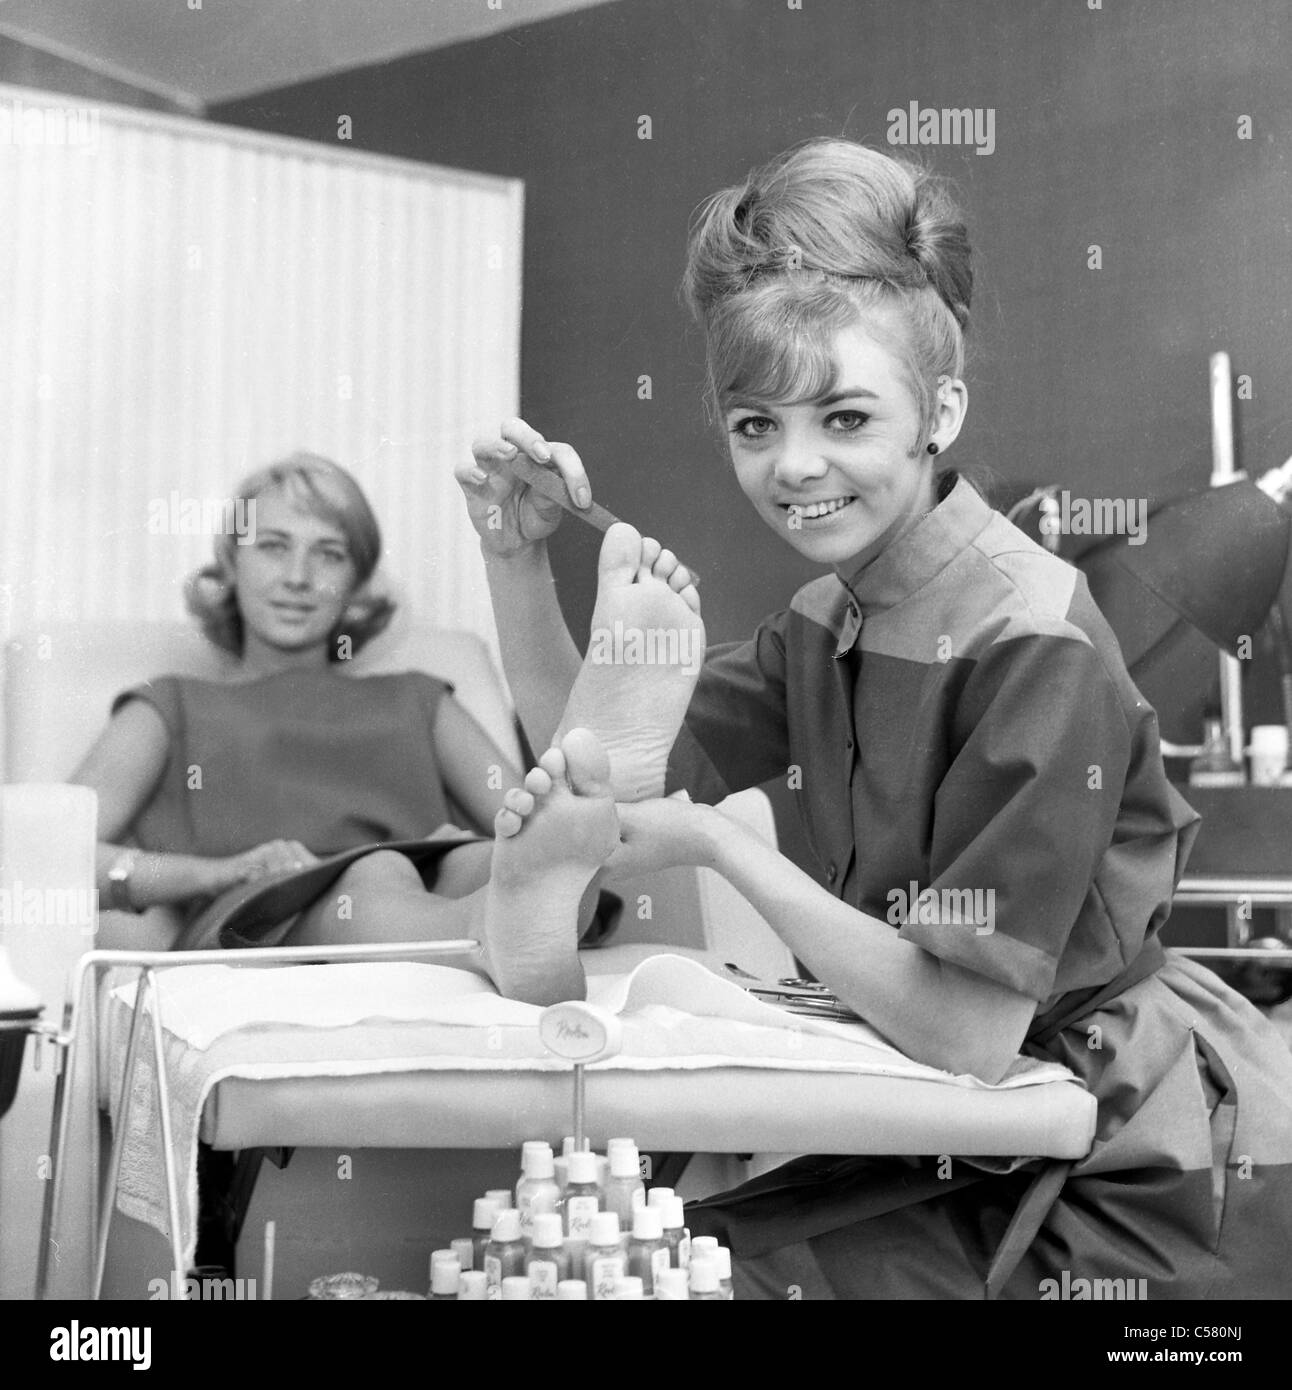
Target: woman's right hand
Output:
{"points": [[264, 861], [509, 515]]}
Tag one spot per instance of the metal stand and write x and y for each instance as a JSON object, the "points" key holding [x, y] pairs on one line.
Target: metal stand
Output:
{"points": [[80, 1030]]}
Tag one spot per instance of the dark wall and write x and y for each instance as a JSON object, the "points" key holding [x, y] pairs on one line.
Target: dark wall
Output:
{"points": [[1116, 126]]}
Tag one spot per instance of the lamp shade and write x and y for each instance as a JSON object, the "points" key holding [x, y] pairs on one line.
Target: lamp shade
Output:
{"points": [[1209, 568], [1216, 558]]}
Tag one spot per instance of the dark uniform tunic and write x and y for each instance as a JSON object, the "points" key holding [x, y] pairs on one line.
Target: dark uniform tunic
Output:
{"points": [[957, 716]]}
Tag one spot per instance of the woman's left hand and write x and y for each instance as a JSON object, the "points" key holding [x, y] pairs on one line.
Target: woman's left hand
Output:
{"points": [[661, 833]]}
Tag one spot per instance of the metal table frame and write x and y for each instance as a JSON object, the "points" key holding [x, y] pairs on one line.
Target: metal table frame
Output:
{"points": [[80, 1030]]}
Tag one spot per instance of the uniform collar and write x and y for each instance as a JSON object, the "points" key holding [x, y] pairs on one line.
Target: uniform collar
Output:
{"points": [[913, 559]]}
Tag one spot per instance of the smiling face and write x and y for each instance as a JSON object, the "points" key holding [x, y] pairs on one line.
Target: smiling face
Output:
{"points": [[842, 475], [292, 583]]}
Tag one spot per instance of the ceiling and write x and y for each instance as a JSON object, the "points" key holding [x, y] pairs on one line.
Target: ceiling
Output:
{"points": [[222, 49]]}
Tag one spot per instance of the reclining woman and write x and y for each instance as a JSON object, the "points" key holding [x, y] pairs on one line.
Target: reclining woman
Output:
{"points": [[959, 717], [294, 804]]}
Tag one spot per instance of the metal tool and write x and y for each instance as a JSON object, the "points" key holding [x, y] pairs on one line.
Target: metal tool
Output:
{"points": [[552, 485]]}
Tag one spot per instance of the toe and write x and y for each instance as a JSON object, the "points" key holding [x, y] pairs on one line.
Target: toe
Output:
{"points": [[621, 554], [651, 550], [665, 565], [588, 763], [553, 763], [679, 579], [519, 801], [506, 824], [691, 597], [537, 782]]}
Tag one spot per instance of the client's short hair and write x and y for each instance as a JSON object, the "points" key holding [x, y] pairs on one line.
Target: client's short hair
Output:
{"points": [[330, 492]]}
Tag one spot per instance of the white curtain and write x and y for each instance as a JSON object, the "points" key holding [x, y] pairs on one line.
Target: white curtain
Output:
{"points": [[182, 302]]}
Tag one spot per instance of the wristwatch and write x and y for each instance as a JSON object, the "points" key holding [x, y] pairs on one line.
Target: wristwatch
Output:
{"points": [[119, 882]]}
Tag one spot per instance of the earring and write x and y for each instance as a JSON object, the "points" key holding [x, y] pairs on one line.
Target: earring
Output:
{"points": [[933, 448]]}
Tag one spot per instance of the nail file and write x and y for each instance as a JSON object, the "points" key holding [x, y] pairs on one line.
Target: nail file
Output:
{"points": [[551, 484]]}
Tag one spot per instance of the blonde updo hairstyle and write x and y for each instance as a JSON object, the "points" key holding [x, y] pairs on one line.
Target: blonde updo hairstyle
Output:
{"points": [[329, 492], [829, 235]]}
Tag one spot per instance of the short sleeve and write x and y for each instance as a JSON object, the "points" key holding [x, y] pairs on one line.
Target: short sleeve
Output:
{"points": [[736, 731], [1026, 812], [163, 694]]}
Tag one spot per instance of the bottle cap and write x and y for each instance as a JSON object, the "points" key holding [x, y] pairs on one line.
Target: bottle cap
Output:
{"points": [[506, 1226], [624, 1161], [648, 1223], [659, 1197], [575, 1290], [704, 1245], [515, 1286], [439, 1256], [465, 1250], [567, 1146], [630, 1286], [704, 1275], [473, 1284], [605, 1228], [446, 1275], [501, 1196], [537, 1160], [724, 1262], [613, 1144], [1269, 739], [583, 1167], [671, 1284], [547, 1234], [674, 1214], [485, 1213]]}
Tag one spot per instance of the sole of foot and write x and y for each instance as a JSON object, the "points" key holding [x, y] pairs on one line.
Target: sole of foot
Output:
{"points": [[645, 652]]}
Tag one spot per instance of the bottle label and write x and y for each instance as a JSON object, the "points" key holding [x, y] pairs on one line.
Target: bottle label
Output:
{"points": [[579, 1212], [531, 1202], [493, 1277], [658, 1262], [603, 1272], [542, 1278]]}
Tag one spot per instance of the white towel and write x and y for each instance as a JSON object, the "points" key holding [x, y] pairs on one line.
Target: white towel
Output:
{"points": [[676, 1014]]}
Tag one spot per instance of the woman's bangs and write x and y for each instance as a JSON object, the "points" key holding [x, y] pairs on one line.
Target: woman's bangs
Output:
{"points": [[779, 346], [310, 491], [777, 362]]}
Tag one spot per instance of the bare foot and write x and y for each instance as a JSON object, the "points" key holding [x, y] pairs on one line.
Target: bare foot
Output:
{"points": [[644, 658], [549, 844]]}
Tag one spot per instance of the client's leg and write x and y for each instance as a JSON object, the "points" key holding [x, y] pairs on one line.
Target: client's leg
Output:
{"points": [[644, 658], [549, 846]]}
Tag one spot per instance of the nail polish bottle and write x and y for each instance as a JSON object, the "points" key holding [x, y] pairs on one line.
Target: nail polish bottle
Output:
{"points": [[505, 1253], [648, 1252], [548, 1262]]}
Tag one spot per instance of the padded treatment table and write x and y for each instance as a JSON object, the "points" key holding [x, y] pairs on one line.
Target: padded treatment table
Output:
{"points": [[704, 1068]]}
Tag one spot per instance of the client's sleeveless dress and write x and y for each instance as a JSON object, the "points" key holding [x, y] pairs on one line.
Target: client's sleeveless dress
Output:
{"points": [[346, 765]]}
